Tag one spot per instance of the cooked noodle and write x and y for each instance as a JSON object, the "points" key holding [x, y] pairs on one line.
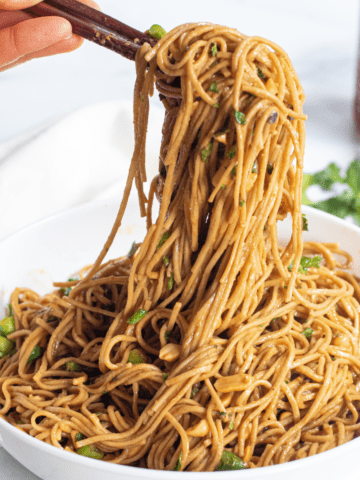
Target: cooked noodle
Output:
{"points": [[238, 350]]}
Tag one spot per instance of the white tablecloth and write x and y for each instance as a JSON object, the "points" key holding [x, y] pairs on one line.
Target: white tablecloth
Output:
{"points": [[66, 122]]}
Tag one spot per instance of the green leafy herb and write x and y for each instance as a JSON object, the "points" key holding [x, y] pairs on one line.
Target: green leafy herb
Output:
{"points": [[223, 186], [214, 50], [7, 326], [214, 87], [205, 152], [231, 425], [142, 97], [230, 461], [166, 261], [136, 357], [157, 32], [6, 346], [270, 169], [307, 332], [222, 133], [305, 226], [67, 290], [90, 451], [79, 437], [132, 250], [240, 117], [233, 172], [163, 239], [231, 153], [261, 325], [167, 336], [170, 283], [307, 262], [177, 467], [213, 64], [34, 354], [343, 205], [134, 319], [165, 376], [260, 73], [72, 366], [216, 105], [242, 203]]}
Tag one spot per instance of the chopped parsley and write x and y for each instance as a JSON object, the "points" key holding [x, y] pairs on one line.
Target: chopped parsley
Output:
{"points": [[221, 133], [233, 172], [72, 366], [165, 376], [194, 392], [242, 203], [167, 335], [260, 73], [240, 117], [134, 319], [79, 437], [307, 262], [214, 50], [163, 239], [269, 169], [132, 250], [135, 357], [66, 291], [214, 87], [231, 425], [305, 226], [231, 153], [307, 332], [205, 152], [223, 186]]}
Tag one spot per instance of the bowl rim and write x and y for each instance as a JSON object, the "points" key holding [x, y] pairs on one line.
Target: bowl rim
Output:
{"points": [[166, 474]]}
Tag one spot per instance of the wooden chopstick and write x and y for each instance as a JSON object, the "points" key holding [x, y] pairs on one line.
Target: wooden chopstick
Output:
{"points": [[95, 26]]}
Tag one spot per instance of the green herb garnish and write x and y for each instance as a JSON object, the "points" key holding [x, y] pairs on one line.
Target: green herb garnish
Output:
{"points": [[157, 32], [205, 152], [305, 226], [7, 326], [231, 425], [132, 250], [242, 203], [307, 332], [307, 262], [163, 239], [214, 50], [231, 153], [166, 261], [177, 467], [233, 172], [240, 117], [170, 283], [135, 357], [134, 319], [10, 310], [67, 290], [269, 169], [260, 73], [216, 105], [214, 87], [72, 366], [230, 461], [90, 451], [167, 336], [34, 354], [194, 392], [223, 186], [79, 437], [165, 376]]}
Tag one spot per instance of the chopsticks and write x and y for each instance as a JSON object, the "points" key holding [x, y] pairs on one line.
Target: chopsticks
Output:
{"points": [[95, 26]]}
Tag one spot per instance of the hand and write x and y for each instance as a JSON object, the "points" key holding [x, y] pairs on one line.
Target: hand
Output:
{"points": [[23, 38]]}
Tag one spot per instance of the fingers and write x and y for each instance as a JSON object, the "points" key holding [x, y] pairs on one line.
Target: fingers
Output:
{"points": [[17, 4], [31, 36]]}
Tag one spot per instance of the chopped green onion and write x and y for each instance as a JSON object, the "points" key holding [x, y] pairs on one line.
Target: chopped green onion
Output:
{"points": [[223, 186], [205, 152], [216, 105], [10, 314], [170, 283], [230, 461], [157, 32], [221, 133], [136, 357], [214, 50], [233, 172], [242, 203], [67, 290], [163, 239], [240, 117], [79, 437], [167, 335], [231, 425], [307, 332], [5, 346], [307, 262], [165, 376], [213, 64], [305, 226], [166, 261], [214, 87], [34, 354], [260, 73], [177, 467], [7, 326], [90, 451], [134, 319], [194, 392], [132, 250], [231, 153], [72, 366]]}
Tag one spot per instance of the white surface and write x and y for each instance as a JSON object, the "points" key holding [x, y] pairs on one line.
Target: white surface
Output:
{"points": [[26, 261]]}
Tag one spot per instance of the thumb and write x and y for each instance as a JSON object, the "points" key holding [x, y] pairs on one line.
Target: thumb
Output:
{"points": [[17, 4], [31, 36]]}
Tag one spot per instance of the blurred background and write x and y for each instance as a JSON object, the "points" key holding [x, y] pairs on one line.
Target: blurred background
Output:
{"points": [[66, 121]]}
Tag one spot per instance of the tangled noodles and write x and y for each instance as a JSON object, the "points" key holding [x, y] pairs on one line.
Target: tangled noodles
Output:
{"points": [[210, 345]]}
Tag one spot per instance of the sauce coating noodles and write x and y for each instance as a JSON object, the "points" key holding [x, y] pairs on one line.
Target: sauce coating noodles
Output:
{"points": [[209, 337]]}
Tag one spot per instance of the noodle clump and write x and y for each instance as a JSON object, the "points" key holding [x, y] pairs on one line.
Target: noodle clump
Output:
{"points": [[209, 338]]}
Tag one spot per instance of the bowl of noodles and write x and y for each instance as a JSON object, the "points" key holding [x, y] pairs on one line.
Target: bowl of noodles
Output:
{"points": [[225, 336]]}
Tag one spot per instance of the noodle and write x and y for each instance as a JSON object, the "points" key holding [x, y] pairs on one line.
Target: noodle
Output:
{"points": [[209, 336]]}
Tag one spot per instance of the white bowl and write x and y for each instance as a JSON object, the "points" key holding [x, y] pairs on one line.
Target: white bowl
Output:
{"points": [[55, 248]]}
